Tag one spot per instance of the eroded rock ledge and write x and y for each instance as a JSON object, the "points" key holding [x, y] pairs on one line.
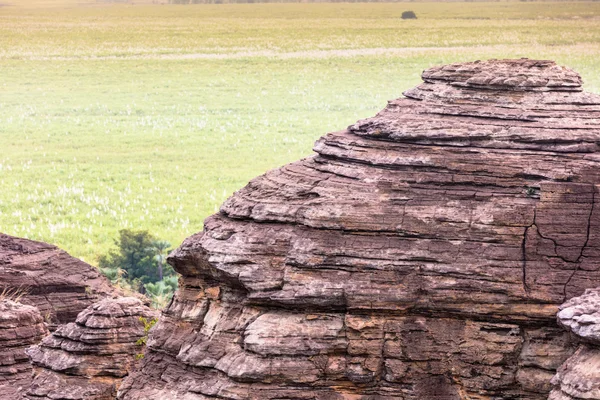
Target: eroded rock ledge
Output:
{"points": [[87, 359], [420, 254], [59, 285]]}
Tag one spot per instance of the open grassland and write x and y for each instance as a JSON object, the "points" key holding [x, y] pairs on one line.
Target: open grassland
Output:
{"points": [[149, 116]]}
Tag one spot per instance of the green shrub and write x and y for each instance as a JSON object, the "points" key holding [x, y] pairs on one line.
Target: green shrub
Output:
{"points": [[144, 339]]}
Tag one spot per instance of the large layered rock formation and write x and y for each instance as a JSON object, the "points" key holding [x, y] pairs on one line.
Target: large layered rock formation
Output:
{"points": [[420, 254], [20, 327], [88, 359], [59, 285], [579, 376]]}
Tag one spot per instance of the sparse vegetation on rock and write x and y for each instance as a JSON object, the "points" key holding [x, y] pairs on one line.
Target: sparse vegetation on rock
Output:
{"points": [[143, 341]]}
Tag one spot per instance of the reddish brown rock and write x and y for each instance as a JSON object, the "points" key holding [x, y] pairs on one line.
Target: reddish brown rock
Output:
{"points": [[88, 359], [59, 285], [20, 327], [420, 254]]}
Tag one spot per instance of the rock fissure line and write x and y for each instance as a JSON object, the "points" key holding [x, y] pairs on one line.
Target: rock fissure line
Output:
{"points": [[448, 171], [359, 232], [589, 224], [487, 118], [524, 258]]}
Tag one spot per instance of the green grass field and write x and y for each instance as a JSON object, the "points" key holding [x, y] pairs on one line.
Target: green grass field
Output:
{"points": [[149, 116]]}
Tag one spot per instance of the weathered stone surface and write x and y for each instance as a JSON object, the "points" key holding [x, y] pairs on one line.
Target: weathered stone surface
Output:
{"points": [[88, 359], [20, 327], [420, 254], [581, 315], [59, 285], [579, 376]]}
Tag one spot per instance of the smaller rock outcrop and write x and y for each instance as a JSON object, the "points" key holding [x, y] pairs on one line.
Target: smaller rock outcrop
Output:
{"points": [[88, 359], [579, 376], [20, 327], [59, 285]]}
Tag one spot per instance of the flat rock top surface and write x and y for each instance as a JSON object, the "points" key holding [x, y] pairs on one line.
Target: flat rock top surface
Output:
{"points": [[521, 75]]}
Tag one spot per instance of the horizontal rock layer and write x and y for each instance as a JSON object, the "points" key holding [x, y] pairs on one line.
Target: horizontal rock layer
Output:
{"points": [[20, 327], [421, 253], [59, 285], [87, 359]]}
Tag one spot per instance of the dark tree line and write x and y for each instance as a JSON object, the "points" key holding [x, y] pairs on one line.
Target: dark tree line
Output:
{"points": [[138, 263]]}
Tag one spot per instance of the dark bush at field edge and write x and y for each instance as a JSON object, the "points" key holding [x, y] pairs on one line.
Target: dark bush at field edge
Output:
{"points": [[409, 15]]}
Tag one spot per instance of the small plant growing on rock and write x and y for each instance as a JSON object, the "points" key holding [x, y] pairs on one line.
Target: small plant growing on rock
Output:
{"points": [[409, 15], [144, 339], [13, 294], [532, 192], [48, 317]]}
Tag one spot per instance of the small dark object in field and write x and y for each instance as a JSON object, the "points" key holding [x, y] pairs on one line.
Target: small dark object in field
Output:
{"points": [[409, 15]]}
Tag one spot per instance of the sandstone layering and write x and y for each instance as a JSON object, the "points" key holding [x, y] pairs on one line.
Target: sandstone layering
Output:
{"points": [[20, 327], [87, 359], [420, 254], [59, 285]]}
